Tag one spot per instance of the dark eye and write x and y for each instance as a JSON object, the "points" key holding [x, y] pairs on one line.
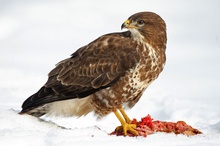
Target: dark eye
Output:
{"points": [[140, 22]]}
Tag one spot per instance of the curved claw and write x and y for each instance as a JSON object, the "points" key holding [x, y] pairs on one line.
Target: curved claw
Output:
{"points": [[127, 127], [125, 123]]}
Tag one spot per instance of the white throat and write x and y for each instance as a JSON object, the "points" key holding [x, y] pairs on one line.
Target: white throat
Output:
{"points": [[136, 35]]}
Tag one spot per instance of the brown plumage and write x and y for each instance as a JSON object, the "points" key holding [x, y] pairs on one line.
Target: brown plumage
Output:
{"points": [[107, 74]]}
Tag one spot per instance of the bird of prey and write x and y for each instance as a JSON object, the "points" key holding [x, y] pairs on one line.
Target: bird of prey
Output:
{"points": [[106, 75]]}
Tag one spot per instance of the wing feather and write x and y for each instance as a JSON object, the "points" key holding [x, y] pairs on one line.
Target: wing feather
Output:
{"points": [[91, 68]]}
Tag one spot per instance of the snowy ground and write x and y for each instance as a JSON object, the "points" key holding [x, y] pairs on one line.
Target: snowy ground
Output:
{"points": [[35, 35]]}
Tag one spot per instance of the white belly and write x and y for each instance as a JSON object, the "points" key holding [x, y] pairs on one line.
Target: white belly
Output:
{"points": [[72, 107]]}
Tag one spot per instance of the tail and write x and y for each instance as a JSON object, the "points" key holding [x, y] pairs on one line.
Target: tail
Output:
{"points": [[37, 112], [36, 105]]}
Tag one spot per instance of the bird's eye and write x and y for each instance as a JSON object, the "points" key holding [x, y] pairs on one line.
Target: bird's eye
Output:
{"points": [[140, 22]]}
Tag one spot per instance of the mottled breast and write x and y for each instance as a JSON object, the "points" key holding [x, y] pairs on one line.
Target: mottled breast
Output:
{"points": [[131, 86]]}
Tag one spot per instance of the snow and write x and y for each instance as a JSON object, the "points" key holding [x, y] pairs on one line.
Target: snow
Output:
{"points": [[35, 35]]}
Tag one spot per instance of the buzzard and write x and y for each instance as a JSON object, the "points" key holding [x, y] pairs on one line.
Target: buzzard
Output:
{"points": [[107, 75]]}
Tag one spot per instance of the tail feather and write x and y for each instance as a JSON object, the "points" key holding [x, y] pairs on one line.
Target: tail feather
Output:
{"points": [[36, 104], [37, 112]]}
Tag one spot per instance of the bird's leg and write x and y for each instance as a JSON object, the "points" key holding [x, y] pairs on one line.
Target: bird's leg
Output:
{"points": [[127, 119], [125, 123]]}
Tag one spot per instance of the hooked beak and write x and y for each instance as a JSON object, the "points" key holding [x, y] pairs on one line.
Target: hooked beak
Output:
{"points": [[127, 24]]}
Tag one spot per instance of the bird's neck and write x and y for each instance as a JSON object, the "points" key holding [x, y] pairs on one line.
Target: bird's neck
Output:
{"points": [[136, 36]]}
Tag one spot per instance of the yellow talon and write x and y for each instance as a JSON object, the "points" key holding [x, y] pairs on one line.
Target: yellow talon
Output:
{"points": [[125, 123], [127, 127]]}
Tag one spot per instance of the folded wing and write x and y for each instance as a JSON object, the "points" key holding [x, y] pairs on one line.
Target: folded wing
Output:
{"points": [[93, 67]]}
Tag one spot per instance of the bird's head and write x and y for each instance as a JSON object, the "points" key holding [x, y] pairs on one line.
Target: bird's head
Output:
{"points": [[146, 25]]}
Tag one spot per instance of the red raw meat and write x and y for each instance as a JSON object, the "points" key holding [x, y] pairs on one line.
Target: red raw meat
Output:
{"points": [[147, 126]]}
